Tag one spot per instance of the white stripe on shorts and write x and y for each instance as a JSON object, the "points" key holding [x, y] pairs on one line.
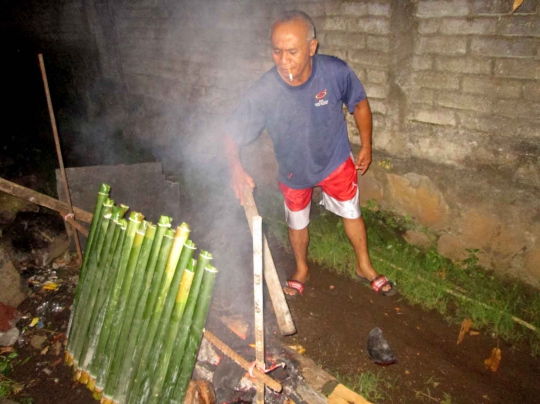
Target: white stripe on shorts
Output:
{"points": [[297, 220], [348, 209]]}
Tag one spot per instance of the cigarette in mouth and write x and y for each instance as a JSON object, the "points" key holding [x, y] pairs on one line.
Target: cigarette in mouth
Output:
{"points": [[290, 74]]}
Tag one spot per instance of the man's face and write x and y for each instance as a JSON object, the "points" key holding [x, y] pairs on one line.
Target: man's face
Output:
{"points": [[292, 51]]}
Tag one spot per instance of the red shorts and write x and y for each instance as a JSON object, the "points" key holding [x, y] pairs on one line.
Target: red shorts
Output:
{"points": [[340, 195]]}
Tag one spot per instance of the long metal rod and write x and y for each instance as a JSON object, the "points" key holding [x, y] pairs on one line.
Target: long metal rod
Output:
{"points": [[59, 151]]}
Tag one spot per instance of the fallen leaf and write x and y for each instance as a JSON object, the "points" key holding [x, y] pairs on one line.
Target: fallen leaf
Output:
{"points": [[332, 287], [407, 372], [6, 349], [441, 274], [45, 350], [516, 5], [50, 286], [473, 333], [493, 362], [465, 327], [34, 321], [56, 362]]}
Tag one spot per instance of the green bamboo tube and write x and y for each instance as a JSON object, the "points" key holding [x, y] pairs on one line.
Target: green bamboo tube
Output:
{"points": [[155, 346], [87, 283], [97, 363], [144, 309], [87, 299], [103, 194], [185, 324], [102, 200], [195, 334], [105, 261], [182, 233], [163, 360], [98, 326], [134, 296], [130, 254]]}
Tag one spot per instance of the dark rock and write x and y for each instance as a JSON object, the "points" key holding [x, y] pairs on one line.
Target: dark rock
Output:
{"points": [[378, 349]]}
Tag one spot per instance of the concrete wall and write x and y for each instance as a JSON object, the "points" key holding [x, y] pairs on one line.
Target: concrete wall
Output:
{"points": [[454, 86]]}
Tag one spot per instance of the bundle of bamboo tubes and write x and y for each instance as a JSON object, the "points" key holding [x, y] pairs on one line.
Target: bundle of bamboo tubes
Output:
{"points": [[139, 309]]}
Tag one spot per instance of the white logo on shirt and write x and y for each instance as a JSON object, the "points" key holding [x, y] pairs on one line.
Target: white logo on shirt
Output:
{"points": [[321, 103]]}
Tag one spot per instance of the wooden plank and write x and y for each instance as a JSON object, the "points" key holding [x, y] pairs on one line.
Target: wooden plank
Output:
{"points": [[43, 200], [258, 303], [284, 318]]}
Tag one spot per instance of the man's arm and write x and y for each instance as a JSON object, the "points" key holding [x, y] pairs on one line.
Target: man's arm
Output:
{"points": [[239, 178], [362, 116]]}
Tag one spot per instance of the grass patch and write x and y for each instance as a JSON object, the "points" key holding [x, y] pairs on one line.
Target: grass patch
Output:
{"points": [[8, 387], [372, 386], [457, 290]]}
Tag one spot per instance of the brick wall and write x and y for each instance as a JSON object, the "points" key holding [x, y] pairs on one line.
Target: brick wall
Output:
{"points": [[474, 80]]}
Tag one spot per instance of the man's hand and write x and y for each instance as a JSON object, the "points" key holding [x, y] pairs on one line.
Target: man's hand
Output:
{"points": [[239, 179], [363, 160]]}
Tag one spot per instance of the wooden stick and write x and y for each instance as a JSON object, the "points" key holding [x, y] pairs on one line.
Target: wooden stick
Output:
{"points": [[284, 318], [258, 302], [67, 217], [59, 151], [273, 384], [42, 200]]}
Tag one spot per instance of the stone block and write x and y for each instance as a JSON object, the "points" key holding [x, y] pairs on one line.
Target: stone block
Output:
{"points": [[357, 9], [379, 9], [418, 239], [421, 96], [429, 26], [12, 288], [491, 7], [478, 228], [422, 62], [475, 26], [342, 40], [379, 43], [437, 117], [492, 87], [339, 23], [464, 65], [370, 58], [370, 25], [516, 108], [504, 47], [418, 196], [531, 91], [436, 80], [359, 70], [518, 68], [441, 45], [370, 188], [532, 264], [487, 123], [376, 90], [519, 26], [442, 8], [465, 101], [451, 247], [378, 107], [377, 76]]}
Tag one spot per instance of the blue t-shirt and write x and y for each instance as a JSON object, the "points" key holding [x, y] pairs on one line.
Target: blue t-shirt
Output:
{"points": [[306, 123]]}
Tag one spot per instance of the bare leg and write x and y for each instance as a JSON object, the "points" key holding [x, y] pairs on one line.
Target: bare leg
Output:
{"points": [[356, 231], [299, 243]]}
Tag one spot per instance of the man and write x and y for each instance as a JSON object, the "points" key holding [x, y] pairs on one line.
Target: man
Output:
{"points": [[299, 102]]}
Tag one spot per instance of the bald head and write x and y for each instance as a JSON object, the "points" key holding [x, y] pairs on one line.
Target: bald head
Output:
{"points": [[295, 15]]}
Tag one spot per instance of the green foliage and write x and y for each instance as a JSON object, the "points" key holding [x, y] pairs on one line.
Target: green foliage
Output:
{"points": [[426, 278], [373, 387], [7, 386]]}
